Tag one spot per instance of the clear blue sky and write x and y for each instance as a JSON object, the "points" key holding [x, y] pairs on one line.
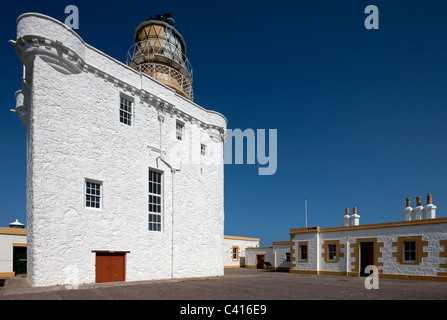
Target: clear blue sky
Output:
{"points": [[361, 114]]}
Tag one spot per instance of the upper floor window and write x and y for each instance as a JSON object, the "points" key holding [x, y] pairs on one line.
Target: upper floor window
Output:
{"points": [[126, 111], [203, 149], [179, 130], [92, 194]]}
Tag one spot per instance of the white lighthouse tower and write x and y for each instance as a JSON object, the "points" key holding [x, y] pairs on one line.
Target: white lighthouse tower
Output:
{"points": [[107, 198]]}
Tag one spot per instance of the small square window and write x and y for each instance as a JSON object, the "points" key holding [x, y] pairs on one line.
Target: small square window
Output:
{"points": [[126, 111], [303, 252], [332, 252], [235, 254], [92, 194], [179, 130], [409, 251]]}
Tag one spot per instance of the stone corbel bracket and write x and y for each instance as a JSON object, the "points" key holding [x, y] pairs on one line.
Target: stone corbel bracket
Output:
{"points": [[35, 34], [54, 53]]}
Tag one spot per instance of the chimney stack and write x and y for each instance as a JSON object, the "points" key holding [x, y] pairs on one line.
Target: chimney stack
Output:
{"points": [[355, 218], [407, 210], [346, 218], [429, 211], [352, 220], [419, 212]]}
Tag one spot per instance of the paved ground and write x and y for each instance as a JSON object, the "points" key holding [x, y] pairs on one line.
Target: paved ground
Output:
{"points": [[236, 284]]}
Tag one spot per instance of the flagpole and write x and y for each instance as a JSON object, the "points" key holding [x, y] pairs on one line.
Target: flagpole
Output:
{"points": [[305, 210]]}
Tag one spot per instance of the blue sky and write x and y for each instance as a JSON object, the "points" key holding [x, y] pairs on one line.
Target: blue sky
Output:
{"points": [[360, 113]]}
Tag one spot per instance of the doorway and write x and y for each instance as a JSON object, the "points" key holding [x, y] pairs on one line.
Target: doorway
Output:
{"points": [[110, 266], [19, 260], [259, 261], [366, 256]]}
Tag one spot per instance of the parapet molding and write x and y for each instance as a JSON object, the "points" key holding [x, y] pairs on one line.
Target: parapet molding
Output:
{"points": [[369, 226], [13, 231], [241, 238]]}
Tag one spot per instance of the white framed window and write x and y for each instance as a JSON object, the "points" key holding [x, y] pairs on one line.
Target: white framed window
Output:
{"points": [[302, 251], [179, 130], [409, 251], [235, 253], [332, 252], [93, 194], [155, 200], [203, 149], [126, 111]]}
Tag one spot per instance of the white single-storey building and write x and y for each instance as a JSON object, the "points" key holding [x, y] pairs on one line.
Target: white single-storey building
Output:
{"points": [[276, 257], [12, 250], [235, 250], [414, 248]]}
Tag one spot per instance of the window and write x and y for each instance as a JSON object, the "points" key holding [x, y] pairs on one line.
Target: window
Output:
{"points": [[303, 252], [332, 252], [287, 256], [92, 194], [235, 253], [126, 111], [409, 251], [179, 130], [203, 150], [155, 200]]}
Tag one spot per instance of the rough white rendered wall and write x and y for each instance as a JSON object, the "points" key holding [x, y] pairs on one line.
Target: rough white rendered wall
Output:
{"points": [[243, 245], [74, 134], [250, 255], [313, 251], [280, 255]]}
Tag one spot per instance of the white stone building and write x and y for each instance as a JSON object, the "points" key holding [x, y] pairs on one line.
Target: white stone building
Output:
{"points": [[414, 248], [12, 250], [235, 248], [123, 169], [276, 257]]}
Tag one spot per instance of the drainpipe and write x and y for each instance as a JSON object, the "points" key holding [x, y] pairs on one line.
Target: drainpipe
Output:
{"points": [[347, 256], [173, 170]]}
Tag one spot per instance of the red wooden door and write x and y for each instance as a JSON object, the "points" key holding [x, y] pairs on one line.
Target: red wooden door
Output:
{"points": [[110, 267], [260, 261]]}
